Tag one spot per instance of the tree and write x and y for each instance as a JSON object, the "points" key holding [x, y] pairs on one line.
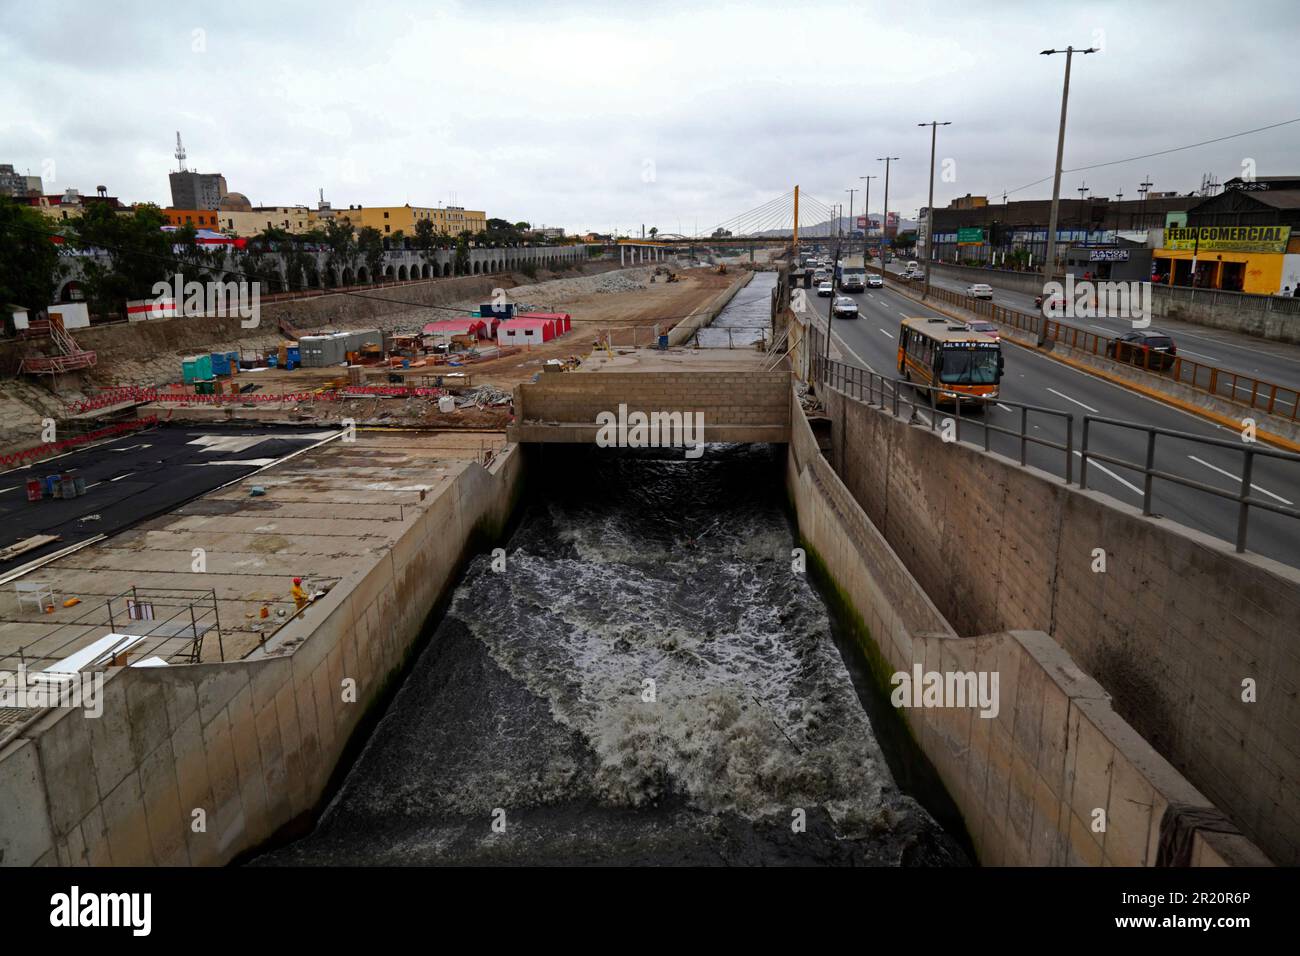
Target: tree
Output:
{"points": [[370, 244], [654, 231], [30, 268], [342, 245], [140, 255], [721, 234]]}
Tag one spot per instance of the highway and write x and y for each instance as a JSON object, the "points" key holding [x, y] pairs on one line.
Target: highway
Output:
{"points": [[1276, 362], [870, 341]]}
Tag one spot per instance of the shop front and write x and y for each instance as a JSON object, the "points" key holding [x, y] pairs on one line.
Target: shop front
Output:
{"points": [[1234, 258]]}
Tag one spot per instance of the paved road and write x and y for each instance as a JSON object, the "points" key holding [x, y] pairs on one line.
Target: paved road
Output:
{"points": [[135, 477], [1031, 378], [1275, 362]]}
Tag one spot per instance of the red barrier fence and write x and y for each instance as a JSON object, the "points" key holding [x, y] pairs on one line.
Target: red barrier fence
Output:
{"points": [[138, 394], [50, 448]]}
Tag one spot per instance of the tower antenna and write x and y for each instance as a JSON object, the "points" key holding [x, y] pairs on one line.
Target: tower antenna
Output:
{"points": [[180, 152]]}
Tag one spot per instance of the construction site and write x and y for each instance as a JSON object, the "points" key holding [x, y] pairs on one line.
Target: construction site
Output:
{"points": [[181, 490]]}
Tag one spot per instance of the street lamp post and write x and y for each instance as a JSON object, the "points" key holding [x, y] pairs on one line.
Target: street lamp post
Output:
{"points": [[884, 225], [851, 222], [1049, 257], [866, 211], [929, 212]]}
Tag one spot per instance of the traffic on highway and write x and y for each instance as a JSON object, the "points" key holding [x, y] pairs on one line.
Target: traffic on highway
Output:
{"points": [[1033, 379]]}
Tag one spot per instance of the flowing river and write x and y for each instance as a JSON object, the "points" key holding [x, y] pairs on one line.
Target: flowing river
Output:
{"points": [[646, 681]]}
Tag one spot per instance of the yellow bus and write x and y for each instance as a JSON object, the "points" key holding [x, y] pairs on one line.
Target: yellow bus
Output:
{"points": [[963, 364]]}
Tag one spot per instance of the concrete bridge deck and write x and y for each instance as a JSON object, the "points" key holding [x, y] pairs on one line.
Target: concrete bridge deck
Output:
{"points": [[731, 391]]}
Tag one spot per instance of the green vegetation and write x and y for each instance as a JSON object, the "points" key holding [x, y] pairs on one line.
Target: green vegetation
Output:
{"points": [[30, 269]]}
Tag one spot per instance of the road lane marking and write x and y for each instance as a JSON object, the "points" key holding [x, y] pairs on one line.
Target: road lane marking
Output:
{"points": [[1237, 478], [883, 332], [120, 477], [1093, 463], [1005, 407], [1201, 354], [1075, 400]]}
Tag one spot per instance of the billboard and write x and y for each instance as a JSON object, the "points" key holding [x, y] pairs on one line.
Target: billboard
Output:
{"points": [[891, 224], [970, 237], [1228, 238], [862, 222]]}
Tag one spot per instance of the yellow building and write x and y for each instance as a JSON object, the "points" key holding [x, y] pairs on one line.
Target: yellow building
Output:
{"points": [[1238, 258], [447, 221], [294, 220]]}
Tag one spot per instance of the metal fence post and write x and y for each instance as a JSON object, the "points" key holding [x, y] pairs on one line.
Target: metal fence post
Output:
{"points": [[1149, 478], [1243, 510], [1069, 448], [1083, 454]]}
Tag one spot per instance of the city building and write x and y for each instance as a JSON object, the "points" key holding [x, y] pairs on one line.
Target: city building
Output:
{"points": [[549, 232], [294, 220], [191, 190], [18, 185], [447, 220], [969, 202], [979, 232], [1242, 240], [198, 218], [71, 203]]}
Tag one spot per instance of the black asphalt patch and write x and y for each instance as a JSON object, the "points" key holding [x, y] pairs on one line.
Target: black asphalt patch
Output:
{"points": [[130, 479]]}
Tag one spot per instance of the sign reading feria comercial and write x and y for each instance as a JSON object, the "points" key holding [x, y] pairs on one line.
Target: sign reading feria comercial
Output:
{"points": [[970, 237], [1229, 238]]}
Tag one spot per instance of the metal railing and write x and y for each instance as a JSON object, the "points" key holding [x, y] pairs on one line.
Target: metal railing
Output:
{"points": [[1265, 396], [1149, 471], [172, 621], [882, 391]]}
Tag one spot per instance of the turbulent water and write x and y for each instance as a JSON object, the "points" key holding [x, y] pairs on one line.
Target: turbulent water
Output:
{"points": [[532, 707]]}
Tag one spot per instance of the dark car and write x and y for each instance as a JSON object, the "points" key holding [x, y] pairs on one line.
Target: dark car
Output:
{"points": [[1149, 348]]}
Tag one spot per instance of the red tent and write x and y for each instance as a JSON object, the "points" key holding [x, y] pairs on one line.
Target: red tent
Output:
{"points": [[526, 330], [469, 326], [563, 321]]}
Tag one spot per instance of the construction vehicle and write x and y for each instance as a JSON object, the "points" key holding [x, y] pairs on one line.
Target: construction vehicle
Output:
{"points": [[722, 269]]}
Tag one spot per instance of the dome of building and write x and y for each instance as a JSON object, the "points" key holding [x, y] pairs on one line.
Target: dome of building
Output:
{"points": [[234, 202]]}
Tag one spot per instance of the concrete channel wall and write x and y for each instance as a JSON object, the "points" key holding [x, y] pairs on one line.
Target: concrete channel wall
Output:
{"points": [[682, 332], [1032, 782], [251, 744], [741, 405], [1171, 629]]}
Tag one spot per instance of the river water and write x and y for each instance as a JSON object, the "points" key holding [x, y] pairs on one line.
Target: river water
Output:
{"points": [[746, 320], [647, 681]]}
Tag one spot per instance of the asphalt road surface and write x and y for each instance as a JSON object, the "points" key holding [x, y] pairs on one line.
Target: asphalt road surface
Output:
{"points": [[135, 477], [871, 341], [1275, 362]]}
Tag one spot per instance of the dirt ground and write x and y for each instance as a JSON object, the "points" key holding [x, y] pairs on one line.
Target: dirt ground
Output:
{"points": [[629, 317]]}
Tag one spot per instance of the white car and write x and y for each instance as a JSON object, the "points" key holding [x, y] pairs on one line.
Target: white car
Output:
{"points": [[825, 288], [844, 308], [875, 282], [980, 290]]}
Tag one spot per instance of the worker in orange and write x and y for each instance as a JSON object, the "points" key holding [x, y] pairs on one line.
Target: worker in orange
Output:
{"points": [[299, 595]]}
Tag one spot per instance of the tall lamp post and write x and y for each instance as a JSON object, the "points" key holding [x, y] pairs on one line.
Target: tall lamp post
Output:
{"points": [[884, 225], [851, 222], [866, 211], [1049, 256], [929, 211]]}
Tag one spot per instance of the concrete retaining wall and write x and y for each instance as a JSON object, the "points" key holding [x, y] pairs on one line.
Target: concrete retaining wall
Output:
{"points": [[1170, 630], [741, 405], [251, 743], [683, 331], [1031, 782]]}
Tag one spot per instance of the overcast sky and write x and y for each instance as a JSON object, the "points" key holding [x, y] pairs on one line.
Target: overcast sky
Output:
{"points": [[610, 114]]}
